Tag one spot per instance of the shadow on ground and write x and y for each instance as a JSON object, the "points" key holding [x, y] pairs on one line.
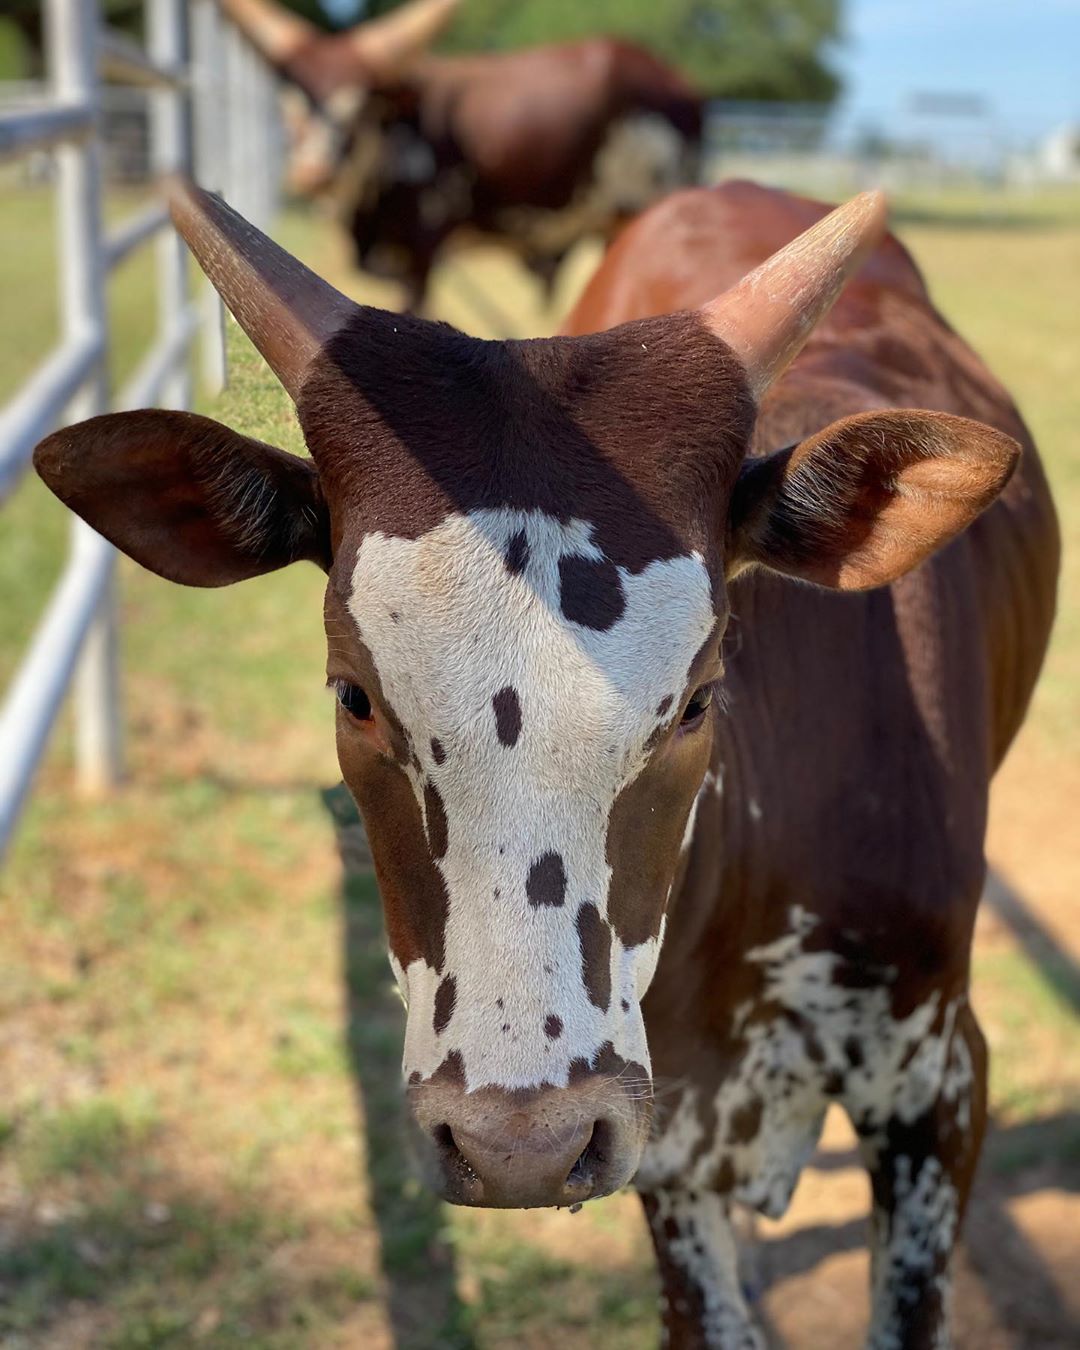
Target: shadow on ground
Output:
{"points": [[418, 1259]]}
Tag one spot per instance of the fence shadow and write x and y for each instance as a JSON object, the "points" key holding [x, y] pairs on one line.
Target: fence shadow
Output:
{"points": [[1057, 967], [418, 1260]]}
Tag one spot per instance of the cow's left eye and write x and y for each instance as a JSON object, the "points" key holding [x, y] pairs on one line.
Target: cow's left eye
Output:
{"points": [[353, 699], [695, 709]]}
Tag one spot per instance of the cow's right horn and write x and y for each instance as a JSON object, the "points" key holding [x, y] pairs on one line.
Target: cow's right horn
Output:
{"points": [[288, 312]]}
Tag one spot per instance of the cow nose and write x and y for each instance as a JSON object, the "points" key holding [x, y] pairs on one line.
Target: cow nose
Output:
{"points": [[517, 1163], [524, 1150]]}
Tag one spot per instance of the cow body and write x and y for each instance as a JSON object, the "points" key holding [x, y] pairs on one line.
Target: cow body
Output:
{"points": [[818, 942], [637, 795], [537, 148]]}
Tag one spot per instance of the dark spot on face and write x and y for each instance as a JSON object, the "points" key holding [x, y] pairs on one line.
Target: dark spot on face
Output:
{"points": [[606, 1060], [671, 1229], [590, 591], [507, 715], [445, 998], [854, 1051], [625, 1005], [438, 754], [745, 1122], [451, 1071], [594, 934], [547, 881], [435, 816], [725, 1177], [553, 1026], [663, 705], [517, 553]]}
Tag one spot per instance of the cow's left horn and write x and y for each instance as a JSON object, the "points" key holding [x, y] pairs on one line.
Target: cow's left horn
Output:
{"points": [[387, 44], [768, 316], [287, 311]]}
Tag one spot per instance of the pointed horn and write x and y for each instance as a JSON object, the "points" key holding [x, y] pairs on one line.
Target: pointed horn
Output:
{"points": [[390, 42], [272, 29], [288, 312], [768, 316]]}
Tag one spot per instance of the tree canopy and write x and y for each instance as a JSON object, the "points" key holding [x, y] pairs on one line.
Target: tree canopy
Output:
{"points": [[735, 49]]}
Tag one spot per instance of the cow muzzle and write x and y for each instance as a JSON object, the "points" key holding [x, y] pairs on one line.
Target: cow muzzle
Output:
{"points": [[526, 1149]]}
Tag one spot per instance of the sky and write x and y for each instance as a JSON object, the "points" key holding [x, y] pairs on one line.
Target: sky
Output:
{"points": [[1021, 56]]}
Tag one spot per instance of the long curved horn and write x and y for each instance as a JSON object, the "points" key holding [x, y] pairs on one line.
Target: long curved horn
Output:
{"points": [[275, 31], [288, 312], [768, 316], [390, 42]]}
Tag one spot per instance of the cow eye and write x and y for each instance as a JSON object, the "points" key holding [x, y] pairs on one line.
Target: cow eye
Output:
{"points": [[695, 709], [353, 699]]}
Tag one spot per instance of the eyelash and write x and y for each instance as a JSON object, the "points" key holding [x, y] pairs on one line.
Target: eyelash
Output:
{"points": [[353, 700], [697, 706]]}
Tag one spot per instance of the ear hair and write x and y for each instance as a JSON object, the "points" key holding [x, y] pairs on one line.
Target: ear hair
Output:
{"points": [[868, 497], [188, 498]]}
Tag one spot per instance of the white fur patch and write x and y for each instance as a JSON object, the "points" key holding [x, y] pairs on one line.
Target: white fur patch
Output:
{"points": [[912, 1246], [448, 625], [888, 1067]]}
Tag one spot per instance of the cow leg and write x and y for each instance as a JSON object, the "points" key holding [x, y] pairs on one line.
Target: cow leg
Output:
{"points": [[703, 1305], [921, 1172]]}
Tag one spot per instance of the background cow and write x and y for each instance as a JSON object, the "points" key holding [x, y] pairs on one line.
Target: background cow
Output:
{"points": [[535, 552], [538, 147]]}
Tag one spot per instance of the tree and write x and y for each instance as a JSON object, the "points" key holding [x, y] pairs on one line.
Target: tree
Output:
{"points": [[736, 49]]}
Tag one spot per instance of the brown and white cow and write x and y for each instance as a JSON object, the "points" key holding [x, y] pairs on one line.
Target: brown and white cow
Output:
{"points": [[638, 640], [535, 148]]}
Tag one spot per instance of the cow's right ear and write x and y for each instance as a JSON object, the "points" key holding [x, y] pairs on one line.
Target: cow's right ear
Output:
{"points": [[188, 498]]}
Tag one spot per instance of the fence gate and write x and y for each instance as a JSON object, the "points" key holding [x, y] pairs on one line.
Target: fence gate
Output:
{"points": [[205, 84]]}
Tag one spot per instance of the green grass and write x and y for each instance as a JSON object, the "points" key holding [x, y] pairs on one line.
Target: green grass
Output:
{"points": [[199, 1071], [86, 1138]]}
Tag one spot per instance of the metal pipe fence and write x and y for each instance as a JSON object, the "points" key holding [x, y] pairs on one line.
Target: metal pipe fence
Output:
{"points": [[213, 111]]}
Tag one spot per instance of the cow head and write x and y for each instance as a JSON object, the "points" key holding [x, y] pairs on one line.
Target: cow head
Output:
{"points": [[528, 547], [334, 72]]}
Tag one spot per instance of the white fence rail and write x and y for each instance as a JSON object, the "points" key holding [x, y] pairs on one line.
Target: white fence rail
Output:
{"points": [[208, 85]]}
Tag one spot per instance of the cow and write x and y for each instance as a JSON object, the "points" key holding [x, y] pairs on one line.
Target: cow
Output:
{"points": [[672, 656], [538, 147]]}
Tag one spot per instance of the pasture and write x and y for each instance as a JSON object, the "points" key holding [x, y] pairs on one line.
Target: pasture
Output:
{"points": [[201, 1138]]}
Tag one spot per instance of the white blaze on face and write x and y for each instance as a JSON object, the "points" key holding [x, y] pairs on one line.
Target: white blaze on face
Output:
{"points": [[453, 621]]}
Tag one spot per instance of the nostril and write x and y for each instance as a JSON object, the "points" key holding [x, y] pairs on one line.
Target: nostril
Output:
{"points": [[592, 1158], [454, 1161]]}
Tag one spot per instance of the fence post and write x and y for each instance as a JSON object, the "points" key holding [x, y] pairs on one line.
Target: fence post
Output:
{"points": [[72, 37], [211, 128], [170, 148]]}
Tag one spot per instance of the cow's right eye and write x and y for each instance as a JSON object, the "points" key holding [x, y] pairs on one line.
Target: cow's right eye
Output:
{"points": [[353, 699]]}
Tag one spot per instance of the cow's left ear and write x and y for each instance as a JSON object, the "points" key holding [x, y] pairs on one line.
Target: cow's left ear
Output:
{"points": [[188, 498], [867, 498]]}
